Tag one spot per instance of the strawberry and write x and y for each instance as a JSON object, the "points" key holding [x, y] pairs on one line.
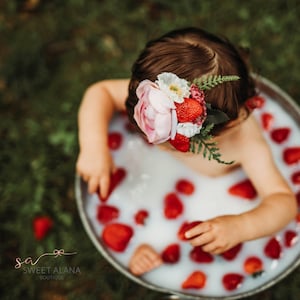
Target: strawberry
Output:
{"points": [[296, 177], [267, 120], [195, 280], [115, 179], [115, 140], [117, 236], [189, 110], [243, 189], [107, 213], [291, 155], [171, 254], [185, 186], [231, 253], [273, 249], [280, 135], [41, 226], [255, 102], [141, 216], [181, 142], [200, 256], [253, 265], [232, 281], [290, 238], [173, 206], [185, 227]]}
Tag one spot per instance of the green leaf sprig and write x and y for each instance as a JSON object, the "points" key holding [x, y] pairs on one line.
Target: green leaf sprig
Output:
{"points": [[202, 141]]}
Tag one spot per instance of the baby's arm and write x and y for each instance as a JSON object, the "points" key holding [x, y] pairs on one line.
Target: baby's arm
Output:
{"points": [[99, 103], [278, 204]]}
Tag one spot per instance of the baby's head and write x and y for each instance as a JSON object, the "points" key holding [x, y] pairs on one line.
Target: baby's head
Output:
{"points": [[191, 53]]}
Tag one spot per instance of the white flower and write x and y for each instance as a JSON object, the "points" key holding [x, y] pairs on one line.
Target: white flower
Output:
{"points": [[176, 88], [188, 129]]}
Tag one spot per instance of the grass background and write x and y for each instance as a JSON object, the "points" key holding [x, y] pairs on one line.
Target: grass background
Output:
{"points": [[50, 51]]}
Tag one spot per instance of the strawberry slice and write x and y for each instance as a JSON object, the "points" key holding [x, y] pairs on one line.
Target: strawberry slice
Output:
{"points": [[255, 102], [115, 140], [116, 236], [41, 227], [173, 206], [273, 249], [185, 186], [107, 213], [141, 216], [185, 227], [115, 179], [253, 265], [267, 120], [231, 253], [171, 254], [243, 189], [232, 281], [291, 155], [296, 177], [290, 238], [195, 280], [200, 256], [181, 143], [280, 135]]}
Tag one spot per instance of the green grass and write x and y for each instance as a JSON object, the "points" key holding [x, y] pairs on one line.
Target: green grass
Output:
{"points": [[50, 52]]}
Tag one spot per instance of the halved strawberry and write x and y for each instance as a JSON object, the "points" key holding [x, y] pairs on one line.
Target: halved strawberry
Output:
{"points": [[290, 238], [107, 213], [181, 143], [200, 256], [267, 120], [243, 189], [116, 236], [232, 281], [231, 253], [195, 280], [273, 248], [115, 179], [173, 206], [141, 216], [280, 135], [115, 140], [255, 102], [253, 265], [296, 177], [291, 155], [185, 227], [171, 254], [189, 110], [185, 186], [41, 226]]}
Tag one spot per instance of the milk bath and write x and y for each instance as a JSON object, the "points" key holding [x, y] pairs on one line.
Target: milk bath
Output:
{"points": [[151, 174]]}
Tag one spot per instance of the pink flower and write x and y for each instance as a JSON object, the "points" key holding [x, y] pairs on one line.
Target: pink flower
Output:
{"points": [[155, 113]]}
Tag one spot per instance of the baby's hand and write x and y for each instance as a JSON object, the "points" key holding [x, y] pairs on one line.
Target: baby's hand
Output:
{"points": [[216, 235], [95, 167]]}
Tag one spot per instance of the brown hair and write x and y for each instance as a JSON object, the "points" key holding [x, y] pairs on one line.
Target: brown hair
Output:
{"points": [[190, 53]]}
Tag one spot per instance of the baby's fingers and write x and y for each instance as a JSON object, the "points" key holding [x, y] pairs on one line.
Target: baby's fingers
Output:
{"points": [[93, 184], [202, 239], [104, 185], [197, 230]]}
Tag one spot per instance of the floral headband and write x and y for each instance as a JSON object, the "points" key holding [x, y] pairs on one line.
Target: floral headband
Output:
{"points": [[173, 109]]}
